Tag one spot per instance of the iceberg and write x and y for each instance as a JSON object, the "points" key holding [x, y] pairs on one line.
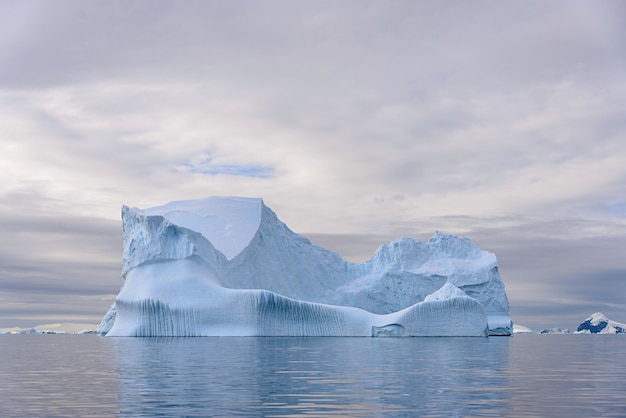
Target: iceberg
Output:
{"points": [[227, 266], [554, 330], [598, 323], [520, 329]]}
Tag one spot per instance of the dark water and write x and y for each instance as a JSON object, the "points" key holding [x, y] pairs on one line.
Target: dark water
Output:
{"points": [[524, 375]]}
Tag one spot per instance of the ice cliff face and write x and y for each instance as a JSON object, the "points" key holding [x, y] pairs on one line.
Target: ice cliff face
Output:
{"points": [[229, 266]]}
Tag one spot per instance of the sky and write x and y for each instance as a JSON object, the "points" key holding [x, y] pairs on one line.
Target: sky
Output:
{"points": [[356, 121]]}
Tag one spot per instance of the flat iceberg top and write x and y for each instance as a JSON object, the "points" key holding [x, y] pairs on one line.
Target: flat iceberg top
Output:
{"points": [[229, 223]]}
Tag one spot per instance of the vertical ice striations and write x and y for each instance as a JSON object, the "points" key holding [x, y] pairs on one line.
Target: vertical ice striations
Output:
{"points": [[229, 266]]}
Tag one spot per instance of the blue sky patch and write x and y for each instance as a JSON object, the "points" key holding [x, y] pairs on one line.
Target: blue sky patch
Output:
{"points": [[616, 209], [208, 168]]}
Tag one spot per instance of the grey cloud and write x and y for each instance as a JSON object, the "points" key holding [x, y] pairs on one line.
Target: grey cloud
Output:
{"points": [[600, 285], [69, 278], [352, 247], [17, 311], [321, 105], [507, 119], [60, 264], [78, 41]]}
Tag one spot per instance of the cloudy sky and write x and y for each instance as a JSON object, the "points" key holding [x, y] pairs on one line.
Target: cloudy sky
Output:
{"points": [[356, 121]]}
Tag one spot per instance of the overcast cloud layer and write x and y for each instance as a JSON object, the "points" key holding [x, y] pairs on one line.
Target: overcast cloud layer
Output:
{"points": [[356, 121]]}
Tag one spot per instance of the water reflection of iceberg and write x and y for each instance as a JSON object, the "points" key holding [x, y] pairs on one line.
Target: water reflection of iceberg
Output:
{"points": [[333, 376]]}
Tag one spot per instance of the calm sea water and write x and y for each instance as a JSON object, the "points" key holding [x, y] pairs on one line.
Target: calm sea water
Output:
{"points": [[523, 375]]}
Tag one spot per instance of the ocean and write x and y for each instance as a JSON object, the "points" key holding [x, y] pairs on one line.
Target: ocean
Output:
{"points": [[518, 376]]}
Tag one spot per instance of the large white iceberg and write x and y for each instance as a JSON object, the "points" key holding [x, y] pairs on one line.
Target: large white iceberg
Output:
{"points": [[229, 267]]}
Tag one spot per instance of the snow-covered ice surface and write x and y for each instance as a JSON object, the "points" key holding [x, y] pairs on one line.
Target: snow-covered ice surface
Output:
{"points": [[228, 223], [598, 323], [520, 329], [229, 267]]}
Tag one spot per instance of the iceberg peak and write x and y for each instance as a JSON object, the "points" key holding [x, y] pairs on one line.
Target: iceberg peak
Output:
{"points": [[452, 246], [447, 291]]}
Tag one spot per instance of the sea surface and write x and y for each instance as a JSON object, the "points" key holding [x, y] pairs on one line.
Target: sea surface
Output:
{"points": [[523, 375]]}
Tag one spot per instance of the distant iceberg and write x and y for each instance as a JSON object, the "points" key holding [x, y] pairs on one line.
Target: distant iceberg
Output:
{"points": [[598, 323], [520, 329], [554, 330], [225, 266], [57, 328]]}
